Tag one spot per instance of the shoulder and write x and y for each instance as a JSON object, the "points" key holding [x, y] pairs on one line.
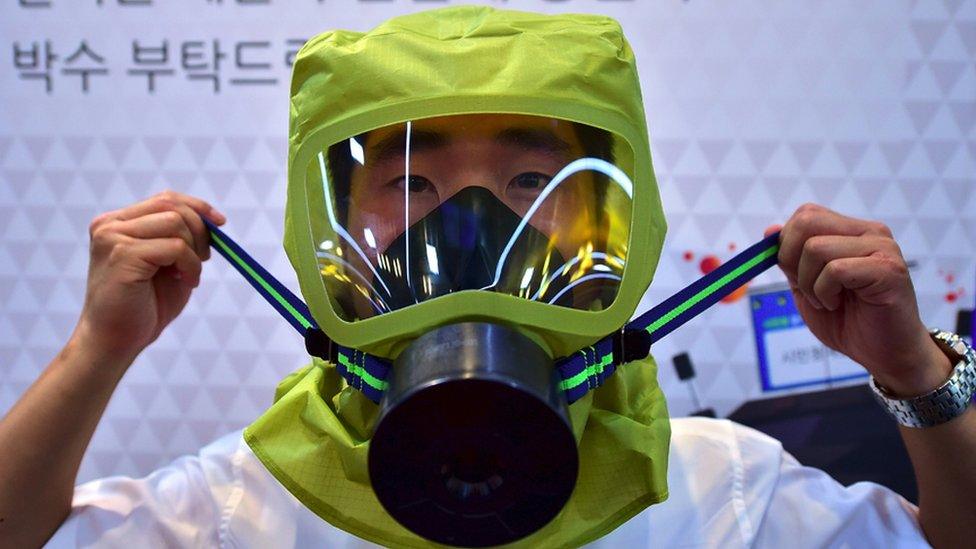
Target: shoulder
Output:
{"points": [[720, 437], [720, 477], [223, 496], [733, 486], [179, 505]]}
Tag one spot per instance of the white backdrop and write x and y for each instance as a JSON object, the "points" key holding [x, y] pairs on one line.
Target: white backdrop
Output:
{"points": [[753, 108]]}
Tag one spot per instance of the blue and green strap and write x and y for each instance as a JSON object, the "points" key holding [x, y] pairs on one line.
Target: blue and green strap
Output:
{"points": [[580, 372], [634, 340]]}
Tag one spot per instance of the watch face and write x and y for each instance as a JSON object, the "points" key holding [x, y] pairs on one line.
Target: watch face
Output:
{"points": [[953, 345]]}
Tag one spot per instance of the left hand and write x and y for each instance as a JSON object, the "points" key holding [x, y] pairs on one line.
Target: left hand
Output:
{"points": [[852, 288]]}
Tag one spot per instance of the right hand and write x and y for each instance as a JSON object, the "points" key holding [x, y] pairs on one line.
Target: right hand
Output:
{"points": [[145, 261]]}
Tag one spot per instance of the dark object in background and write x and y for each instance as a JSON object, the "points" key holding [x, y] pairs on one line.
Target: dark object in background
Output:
{"points": [[704, 412], [964, 323], [842, 431], [682, 365], [686, 373]]}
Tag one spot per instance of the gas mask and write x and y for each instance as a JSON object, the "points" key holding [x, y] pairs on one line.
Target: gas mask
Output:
{"points": [[473, 218], [473, 443]]}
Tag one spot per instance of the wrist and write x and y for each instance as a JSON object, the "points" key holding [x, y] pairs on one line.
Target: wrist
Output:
{"points": [[87, 352], [942, 404], [925, 372]]}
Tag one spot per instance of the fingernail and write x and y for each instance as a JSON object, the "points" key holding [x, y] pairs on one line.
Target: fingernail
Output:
{"points": [[217, 216], [816, 304]]}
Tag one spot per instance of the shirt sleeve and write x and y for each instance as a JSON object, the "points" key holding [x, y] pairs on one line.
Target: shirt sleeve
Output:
{"points": [[808, 508], [180, 505]]}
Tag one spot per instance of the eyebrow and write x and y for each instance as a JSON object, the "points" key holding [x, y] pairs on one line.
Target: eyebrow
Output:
{"points": [[393, 145], [533, 139]]}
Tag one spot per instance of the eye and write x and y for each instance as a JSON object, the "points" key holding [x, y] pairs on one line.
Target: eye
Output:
{"points": [[418, 184], [528, 182]]}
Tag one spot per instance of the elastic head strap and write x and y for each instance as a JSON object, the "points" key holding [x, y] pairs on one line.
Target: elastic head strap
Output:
{"points": [[580, 372], [634, 340], [281, 298], [363, 371]]}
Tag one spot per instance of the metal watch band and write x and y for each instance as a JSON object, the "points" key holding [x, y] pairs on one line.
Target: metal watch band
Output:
{"points": [[948, 401]]}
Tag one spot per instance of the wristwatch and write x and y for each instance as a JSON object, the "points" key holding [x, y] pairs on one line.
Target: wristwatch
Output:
{"points": [[948, 401]]}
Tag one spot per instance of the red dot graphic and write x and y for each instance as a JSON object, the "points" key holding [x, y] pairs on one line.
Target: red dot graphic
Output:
{"points": [[708, 264]]}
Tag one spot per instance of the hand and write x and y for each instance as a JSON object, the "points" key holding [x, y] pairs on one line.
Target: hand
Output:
{"points": [[145, 261], [852, 288]]}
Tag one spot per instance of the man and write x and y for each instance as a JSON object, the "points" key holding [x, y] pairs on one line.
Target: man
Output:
{"points": [[728, 485]]}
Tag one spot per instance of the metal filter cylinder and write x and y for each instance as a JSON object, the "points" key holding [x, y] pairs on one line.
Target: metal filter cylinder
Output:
{"points": [[473, 446]]}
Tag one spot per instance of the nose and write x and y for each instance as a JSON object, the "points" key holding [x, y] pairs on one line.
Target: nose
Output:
{"points": [[478, 174]]}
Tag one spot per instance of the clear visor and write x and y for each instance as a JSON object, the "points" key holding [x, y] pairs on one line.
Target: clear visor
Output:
{"points": [[533, 207]]}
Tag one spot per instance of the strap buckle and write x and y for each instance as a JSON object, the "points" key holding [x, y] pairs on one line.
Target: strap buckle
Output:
{"points": [[320, 345], [630, 345]]}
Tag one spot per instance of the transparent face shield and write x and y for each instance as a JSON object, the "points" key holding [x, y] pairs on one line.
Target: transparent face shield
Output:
{"points": [[533, 207]]}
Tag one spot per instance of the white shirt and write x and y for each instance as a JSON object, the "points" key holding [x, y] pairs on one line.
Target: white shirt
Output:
{"points": [[730, 486]]}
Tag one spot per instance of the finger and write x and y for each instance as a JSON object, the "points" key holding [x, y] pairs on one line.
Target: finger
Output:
{"points": [[772, 229], [201, 236], [165, 224], [159, 203], [870, 278], [819, 250], [168, 252], [811, 220], [199, 205]]}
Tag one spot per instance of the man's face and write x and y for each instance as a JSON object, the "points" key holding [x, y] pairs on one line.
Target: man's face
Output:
{"points": [[524, 232], [512, 156]]}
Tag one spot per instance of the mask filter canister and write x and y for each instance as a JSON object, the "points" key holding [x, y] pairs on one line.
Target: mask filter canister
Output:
{"points": [[473, 445]]}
